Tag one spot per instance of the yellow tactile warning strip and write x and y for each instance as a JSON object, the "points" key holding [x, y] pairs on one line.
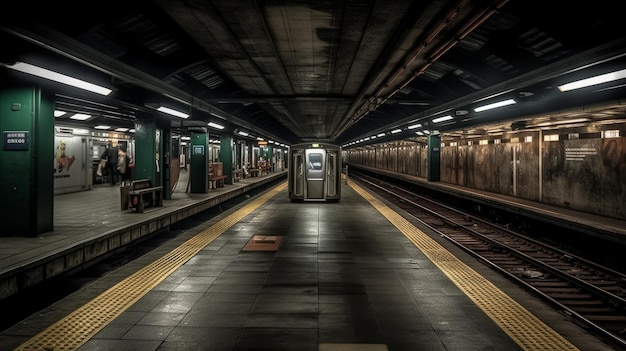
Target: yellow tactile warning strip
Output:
{"points": [[352, 347], [529, 332], [79, 326]]}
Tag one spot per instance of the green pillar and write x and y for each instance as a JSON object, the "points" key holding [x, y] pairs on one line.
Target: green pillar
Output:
{"points": [[226, 156], [270, 157], [434, 158], [166, 173], [26, 160], [148, 141], [199, 162]]}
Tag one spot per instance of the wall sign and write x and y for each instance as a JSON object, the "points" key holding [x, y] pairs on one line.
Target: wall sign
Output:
{"points": [[15, 140], [198, 149]]}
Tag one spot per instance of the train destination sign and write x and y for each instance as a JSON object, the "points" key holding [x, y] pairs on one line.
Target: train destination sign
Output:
{"points": [[15, 140]]}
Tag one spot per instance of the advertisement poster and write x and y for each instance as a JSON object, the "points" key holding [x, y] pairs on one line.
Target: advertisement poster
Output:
{"points": [[68, 161]]}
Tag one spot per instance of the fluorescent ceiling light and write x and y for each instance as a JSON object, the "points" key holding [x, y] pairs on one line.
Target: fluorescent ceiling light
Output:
{"points": [[603, 78], [215, 125], [416, 125], [396, 131], [243, 133], [259, 138], [102, 127], [121, 129], [132, 130], [58, 113], [172, 112], [60, 78], [494, 105], [381, 135], [441, 119], [81, 117]]}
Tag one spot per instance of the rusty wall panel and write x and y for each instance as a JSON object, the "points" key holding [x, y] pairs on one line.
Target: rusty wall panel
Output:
{"points": [[502, 172], [528, 170], [423, 162], [449, 164], [587, 175]]}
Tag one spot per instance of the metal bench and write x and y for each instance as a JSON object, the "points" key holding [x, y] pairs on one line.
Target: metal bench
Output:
{"points": [[143, 195]]}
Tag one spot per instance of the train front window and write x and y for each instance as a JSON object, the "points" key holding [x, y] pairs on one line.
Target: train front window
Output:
{"points": [[315, 162], [315, 165]]}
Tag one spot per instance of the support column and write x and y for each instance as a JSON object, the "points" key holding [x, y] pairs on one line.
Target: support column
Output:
{"points": [[166, 173], [226, 156], [26, 160], [270, 158], [434, 158], [199, 162], [148, 144]]}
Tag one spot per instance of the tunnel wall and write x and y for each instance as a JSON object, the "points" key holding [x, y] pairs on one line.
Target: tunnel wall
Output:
{"points": [[580, 168]]}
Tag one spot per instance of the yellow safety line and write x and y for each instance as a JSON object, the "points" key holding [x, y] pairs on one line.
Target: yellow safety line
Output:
{"points": [[78, 327], [523, 327]]}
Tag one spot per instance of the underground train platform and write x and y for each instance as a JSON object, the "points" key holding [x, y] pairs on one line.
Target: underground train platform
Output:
{"points": [[270, 274]]}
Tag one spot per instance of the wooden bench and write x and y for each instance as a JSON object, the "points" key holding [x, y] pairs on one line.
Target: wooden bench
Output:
{"points": [[143, 195], [254, 172], [217, 181]]}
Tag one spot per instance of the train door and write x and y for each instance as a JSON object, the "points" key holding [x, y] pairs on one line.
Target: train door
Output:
{"points": [[315, 173], [331, 173], [298, 174]]}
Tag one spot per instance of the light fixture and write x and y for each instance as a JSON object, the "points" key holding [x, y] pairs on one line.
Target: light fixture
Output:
{"points": [[243, 133], [494, 105], [80, 117], [380, 135], [172, 112], [396, 131], [416, 125], [215, 125], [58, 77], [58, 113], [441, 119], [603, 78], [121, 129], [102, 127]]}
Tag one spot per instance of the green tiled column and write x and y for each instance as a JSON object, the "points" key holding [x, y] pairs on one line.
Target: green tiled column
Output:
{"points": [[199, 162], [148, 144], [226, 157], [26, 160]]}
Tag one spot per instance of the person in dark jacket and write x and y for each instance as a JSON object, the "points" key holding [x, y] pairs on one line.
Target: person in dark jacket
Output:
{"points": [[110, 155]]}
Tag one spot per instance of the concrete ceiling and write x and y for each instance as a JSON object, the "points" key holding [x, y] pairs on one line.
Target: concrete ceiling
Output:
{"points": [[337, 71]]}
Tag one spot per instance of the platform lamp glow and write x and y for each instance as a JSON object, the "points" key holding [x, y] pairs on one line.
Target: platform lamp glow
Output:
{"points": [[58, 77], [172, 112], [603, 78]]}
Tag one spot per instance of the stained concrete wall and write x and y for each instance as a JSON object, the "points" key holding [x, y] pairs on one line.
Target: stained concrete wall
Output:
{"points": [[586, 172]]}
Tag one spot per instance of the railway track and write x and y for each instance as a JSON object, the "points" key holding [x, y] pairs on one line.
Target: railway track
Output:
{"points": [[591, 294]]}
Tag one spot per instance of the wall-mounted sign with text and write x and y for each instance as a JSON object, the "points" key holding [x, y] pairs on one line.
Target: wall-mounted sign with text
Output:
{"points": [[15, 140]]}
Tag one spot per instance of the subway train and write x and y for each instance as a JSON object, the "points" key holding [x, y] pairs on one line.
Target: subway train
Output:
{"points": [[314, 172]]}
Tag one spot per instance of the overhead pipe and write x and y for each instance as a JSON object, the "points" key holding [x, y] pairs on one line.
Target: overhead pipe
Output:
{"points": [[476, 21]]}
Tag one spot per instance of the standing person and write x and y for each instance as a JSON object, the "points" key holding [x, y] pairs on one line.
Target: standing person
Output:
{"points": [[110, 155], [123, 166]]}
